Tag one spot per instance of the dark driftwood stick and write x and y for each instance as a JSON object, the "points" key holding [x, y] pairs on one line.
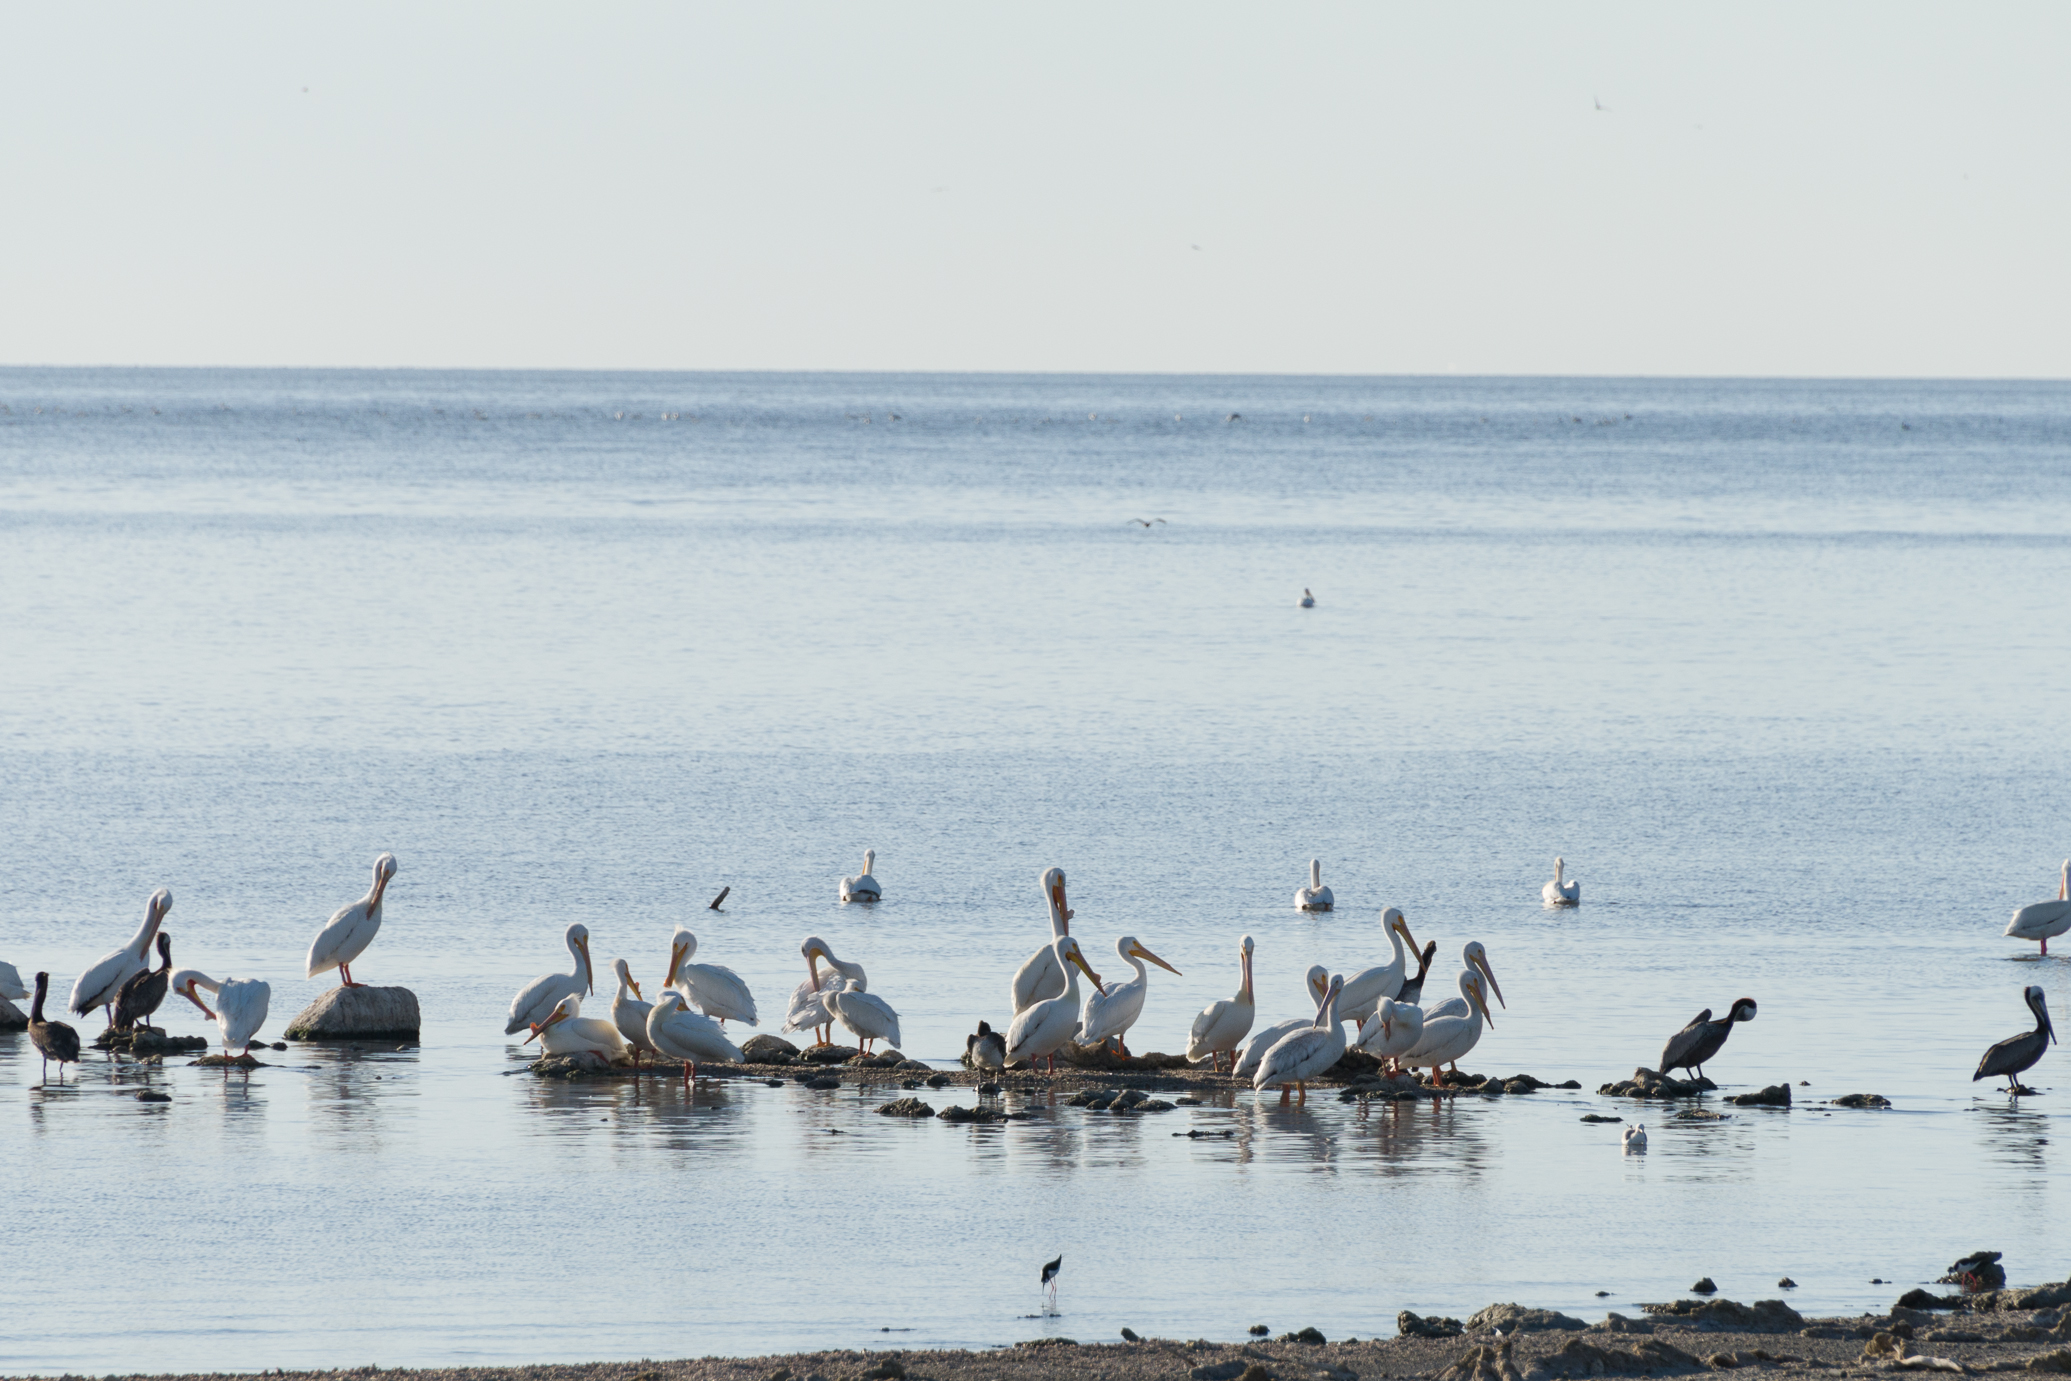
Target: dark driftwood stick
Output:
{"points": [[720, 898]]}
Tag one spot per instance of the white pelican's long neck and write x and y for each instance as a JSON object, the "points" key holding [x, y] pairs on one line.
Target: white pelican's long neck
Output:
{"points": [[140, 943], [1397, 959], [2064, 886], [372, 901], [1244, 985], [1560, 866], [1315, 875], [1468, 994], [1143, 975]]}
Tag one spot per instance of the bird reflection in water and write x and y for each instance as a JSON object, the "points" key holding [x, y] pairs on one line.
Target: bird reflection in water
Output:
{"points": [[1410, 1137], [2016, 1138]]}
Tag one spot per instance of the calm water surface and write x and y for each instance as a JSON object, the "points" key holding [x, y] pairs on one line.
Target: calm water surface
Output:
{"points": [[1779, 668]]}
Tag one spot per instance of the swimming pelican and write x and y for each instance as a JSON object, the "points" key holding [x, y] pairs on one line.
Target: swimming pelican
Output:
{"points": [[1364, 991], [2043, 919], [141, 996], [863, 887], [1302, 1055], [2018, 1053], [867, 1016], [1447, 1039], [54, 1040], [98, 986], [1248, 1055], [1222, 1026], [1314, 897], [11, 982], [1634, 1140], [628, 1012], [1039, 978], [985, 1048], [1413, 987], [688, 1036], [1392, 1031], [351, 928], [1112, 1011], [1042, 1028], [1558, 893], [717, 990], [1474, 957], [566, 1031], [240, 1005], [1308, 600], [808, 1007], [536, 1001], [1690, 1047]]}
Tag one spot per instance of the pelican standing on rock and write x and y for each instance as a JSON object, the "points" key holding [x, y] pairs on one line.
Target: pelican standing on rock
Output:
{"points": [[808, 1009], [1447, 1039], [1690, 1047], [1110, 1012], [1363, 993], [1299, 1057], [141, 996], [351, 928], [1248, 1055], [240, 1006], [863, 887], [1558, 893], [1222, 1026], [1042, 1029], [2044, 920], [566, 1031], [985, 1048], [688, 1036], [54, 1040], [99, 985], [717, 990], [1314, 897], [867, 1016], [535, 1001], [628, 1012], [1039, 977], [2016, 1054], [1392, 1031]]}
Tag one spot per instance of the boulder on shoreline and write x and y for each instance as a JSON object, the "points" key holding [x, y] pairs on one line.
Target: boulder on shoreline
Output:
{"points": [[1774, 1096], [1763, 1316], [358, 1014], [768, 1050], [1512, 1318], [1411, 1326], [12, 1018], [1649, 1083]]}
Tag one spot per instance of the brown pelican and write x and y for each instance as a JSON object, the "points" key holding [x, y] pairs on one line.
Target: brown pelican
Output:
{"points": [[1412, 992], [54, 1040], [98, 986], [1690, 1047], [140, 996], [2015, 1053]]}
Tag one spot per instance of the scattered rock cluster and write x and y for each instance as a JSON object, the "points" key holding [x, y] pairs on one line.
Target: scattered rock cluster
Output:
{"points": [[1648, 1083], [1774, 1096], [1413, 1326], [149, 1040], [1118, 1101]]}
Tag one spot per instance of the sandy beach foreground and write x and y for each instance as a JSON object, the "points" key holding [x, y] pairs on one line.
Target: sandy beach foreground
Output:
{"points": [[1504, 1342]]}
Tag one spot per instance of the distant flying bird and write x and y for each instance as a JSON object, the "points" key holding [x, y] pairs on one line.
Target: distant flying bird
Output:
{"points": [[1146, 522], [1598, 104], [1196, 247], [2018, 1053], [1049, 1281]]}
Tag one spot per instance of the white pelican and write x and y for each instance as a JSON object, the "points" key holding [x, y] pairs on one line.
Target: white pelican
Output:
{"points": [[240, 1005], [1474, 957], [1222, 1026], [351, 928], [1447, 1039], [1041, 1029], [535, 1001], [867, 1016], [863, 887], [11, 982], [98, 986], [1039, 977], [1314, 897], [689, 1036], [1249, 1054], [1392, 1031], [808, 1007], [1300, 1056], [566, 1031], [1364, 991], [716, 990], [1112, 1011], [1634, 1139], [2040, 920], [1558, 893], [628, 1012]]}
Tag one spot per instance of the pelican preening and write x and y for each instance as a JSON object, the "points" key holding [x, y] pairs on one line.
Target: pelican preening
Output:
{"points": [[2016, 1054], [867, 1016], [1249, 1054], [1222, 1026], [1392, 1031], [808, 1009], [99, 985], [2044, 919], [1558, 893], [716, 990], [863, 887], [1364, 992], [566, 1031], [1413, 987], [688, 1036], [54, 1040], [1039, 976], [240, 1006], [536, 1001], [1301, 1056], [352, 928], [985, 1048], [629, 1013], [1634, 1140], [141, 996], [1042, 1028], [1314, 897], [1447, 1038], [1110, 1012], [1690, 1047]]}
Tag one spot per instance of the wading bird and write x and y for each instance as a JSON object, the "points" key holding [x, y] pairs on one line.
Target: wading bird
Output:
{"points": [[98, 986], [1222, 1026], [1049, 1281], [2044, 920], [145, 990], [1301, 1056], [1110, 1012], [54, 1040], [240, 1006], [2016, 1054], [1690, 1047], [536, 1001], [808, 1009], [1041, 1030], [351, 929], [1558, 893], [863, 887], [714, 989], [1314, 897]]}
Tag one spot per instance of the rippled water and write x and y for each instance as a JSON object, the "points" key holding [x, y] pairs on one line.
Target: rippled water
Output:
{"points": [[1777, 667]]}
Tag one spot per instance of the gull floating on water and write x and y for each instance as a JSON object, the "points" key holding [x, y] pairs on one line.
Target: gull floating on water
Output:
{"points": [[2044, 920], [1635, 1140]]}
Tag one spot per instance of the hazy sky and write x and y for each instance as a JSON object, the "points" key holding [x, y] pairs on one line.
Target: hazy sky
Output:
{"points": [[1768, 189]]}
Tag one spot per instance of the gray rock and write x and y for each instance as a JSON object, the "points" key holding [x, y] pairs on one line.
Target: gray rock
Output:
{"points": [[1763, 1316], [1577, 1357], [1704, 1287], [1218, 1371], [906, 1107], [1862, 1100], [768, 1050], [1411, 1326], [828, 1054], [1130, 1335], [824, 1082], [1648, 1083], [154, 1096], [1599, 1117], [12, 1018], [358, 1014], [957, 1112], [1774, 1096], [938, 1081], [1510, 1318]]}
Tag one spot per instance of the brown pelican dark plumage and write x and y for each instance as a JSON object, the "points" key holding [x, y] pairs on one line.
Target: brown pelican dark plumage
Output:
{"points": [[142, 994], [1690, 1047], [1412, 992], [2017, 1053], [54, 1039]]}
